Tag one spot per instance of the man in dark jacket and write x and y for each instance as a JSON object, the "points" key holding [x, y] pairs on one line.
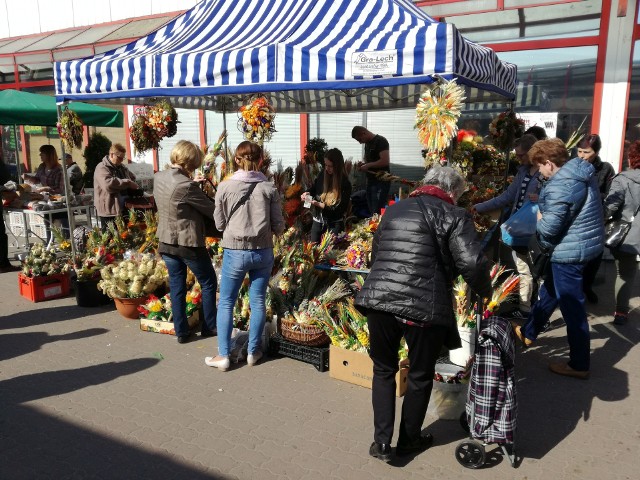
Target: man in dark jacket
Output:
{"points": [[376, 159], [422, 244]]}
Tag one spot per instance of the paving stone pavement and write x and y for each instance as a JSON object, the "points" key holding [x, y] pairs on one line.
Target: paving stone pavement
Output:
{"points": [[84, 394]]}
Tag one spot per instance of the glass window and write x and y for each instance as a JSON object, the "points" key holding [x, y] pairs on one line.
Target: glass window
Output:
{"points": [[575, 19], [554, 81], [633, 110]]}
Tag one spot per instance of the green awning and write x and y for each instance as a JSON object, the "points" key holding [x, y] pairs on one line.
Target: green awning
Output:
{"points": [[24, 108]]}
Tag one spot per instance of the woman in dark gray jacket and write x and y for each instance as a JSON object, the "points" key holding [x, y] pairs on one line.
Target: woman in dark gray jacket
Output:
{"points": [[422, 244], [621, 203], [183, 212]]}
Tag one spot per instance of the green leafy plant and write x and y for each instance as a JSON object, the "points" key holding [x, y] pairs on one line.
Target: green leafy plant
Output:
{"points": [[94, 152]]}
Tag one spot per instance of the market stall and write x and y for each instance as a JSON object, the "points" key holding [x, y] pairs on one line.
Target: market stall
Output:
{"points": [[301, 57], [24, 108]]}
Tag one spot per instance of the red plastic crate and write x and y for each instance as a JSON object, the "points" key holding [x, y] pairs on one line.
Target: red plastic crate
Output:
{"points": [[47, 287]]}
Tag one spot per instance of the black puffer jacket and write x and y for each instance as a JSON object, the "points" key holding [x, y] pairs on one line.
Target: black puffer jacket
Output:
{"points": [[417, 254]]}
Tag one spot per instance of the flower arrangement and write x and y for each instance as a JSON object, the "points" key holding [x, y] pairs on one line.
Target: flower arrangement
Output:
{"points": [[256, 120], [40, 262], [70, 129], [160, 308], [505, 128], [434, 158], [153, 123], [358, 254], [88, 265], [503, 290], [135, 277], [437, 115]]}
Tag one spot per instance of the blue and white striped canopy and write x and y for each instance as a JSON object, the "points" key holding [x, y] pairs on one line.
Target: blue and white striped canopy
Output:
{"points": [[306, 55]]}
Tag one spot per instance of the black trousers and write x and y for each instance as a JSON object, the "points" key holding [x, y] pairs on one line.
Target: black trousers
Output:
{"points": [[590, 272], [317, 229], [424, 343]]}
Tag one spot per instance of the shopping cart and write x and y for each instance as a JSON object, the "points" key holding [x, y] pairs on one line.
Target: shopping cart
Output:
{"points": [[491, 408]]}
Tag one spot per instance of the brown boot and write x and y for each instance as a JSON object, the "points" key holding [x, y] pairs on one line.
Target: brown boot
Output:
{"points": [[562, 368], [525, 341]]}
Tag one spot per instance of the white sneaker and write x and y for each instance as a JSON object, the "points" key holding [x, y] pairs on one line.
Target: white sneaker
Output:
{"points": [[254, 358], [222, 364]]}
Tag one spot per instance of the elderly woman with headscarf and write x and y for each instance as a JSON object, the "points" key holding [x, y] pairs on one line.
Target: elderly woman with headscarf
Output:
{"points": [[421, 246]]}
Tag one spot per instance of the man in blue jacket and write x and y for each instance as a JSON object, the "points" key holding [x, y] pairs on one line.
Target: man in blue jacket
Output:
{"points": [[571, 227]]}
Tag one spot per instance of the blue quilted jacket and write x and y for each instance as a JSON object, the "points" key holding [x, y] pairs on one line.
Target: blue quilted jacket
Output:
{"points": [[572, 219]]}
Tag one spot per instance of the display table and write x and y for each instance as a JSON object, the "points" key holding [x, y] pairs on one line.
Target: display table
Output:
{"points": [[25, 223]]}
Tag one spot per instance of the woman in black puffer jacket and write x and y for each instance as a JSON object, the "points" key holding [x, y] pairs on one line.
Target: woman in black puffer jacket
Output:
{"points": [[422, 244]]}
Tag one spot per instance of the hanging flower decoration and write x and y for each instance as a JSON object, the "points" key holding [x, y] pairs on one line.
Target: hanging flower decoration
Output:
{"points": [[437, 115], [70, 129], [505, 128], [153, 123], [256, 120]]}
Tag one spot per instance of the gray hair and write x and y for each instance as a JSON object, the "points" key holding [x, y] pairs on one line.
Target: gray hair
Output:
{"points": [[447, 179]]}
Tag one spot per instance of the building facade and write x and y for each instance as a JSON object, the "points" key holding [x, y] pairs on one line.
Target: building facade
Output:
{"points": [[578, 66]]}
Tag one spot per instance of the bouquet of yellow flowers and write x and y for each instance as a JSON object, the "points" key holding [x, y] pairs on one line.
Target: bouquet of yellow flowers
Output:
{"points": [[160, 308], [256, 120]]}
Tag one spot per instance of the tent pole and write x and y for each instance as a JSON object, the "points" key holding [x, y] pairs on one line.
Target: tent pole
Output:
{"points": [[15, 137], [67, 189], [224, 126]]}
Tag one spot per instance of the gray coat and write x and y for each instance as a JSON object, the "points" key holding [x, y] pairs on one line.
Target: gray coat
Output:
{"points": [[109, 183], [622, 202], [254, 223], [75, 178], [183, 209]]}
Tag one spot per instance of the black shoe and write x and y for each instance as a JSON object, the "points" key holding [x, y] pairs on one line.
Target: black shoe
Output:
{"points": [[619, 319], [381, 451], [208, 333], [547, 326], [591, 296], [425, 441], [183, 339], [517, 315]]}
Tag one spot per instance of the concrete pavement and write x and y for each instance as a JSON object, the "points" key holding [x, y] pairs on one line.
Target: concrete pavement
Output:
{"points": [[84, 394]]}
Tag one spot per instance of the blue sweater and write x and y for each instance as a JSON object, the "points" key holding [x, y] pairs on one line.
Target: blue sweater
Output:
{"points": [[572, 220]]}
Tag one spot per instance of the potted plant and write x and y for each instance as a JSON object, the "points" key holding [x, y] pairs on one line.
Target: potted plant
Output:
{"points": [[132, 280], [44, 275], [87, 268]]}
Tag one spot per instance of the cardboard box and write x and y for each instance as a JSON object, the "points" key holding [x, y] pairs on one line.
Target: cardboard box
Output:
{"points": [[160, 326], [357, 368], [46, 287]]}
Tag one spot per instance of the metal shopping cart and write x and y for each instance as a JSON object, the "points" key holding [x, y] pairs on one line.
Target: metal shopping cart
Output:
{"points": [[491, 407]]}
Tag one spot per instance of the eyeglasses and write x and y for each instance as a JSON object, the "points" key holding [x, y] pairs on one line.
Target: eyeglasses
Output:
{"points": [[118, 156]]}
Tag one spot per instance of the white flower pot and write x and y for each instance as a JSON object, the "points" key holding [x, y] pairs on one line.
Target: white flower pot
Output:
{"points": [[460, 356]]}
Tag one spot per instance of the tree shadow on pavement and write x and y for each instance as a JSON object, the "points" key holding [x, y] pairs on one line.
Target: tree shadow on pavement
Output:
{"points": [[37, 444], [551, 406], [30, 318], [15, 344]]}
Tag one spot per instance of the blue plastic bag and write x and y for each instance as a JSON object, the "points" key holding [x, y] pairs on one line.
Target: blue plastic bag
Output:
{"points": [[518, 229]]}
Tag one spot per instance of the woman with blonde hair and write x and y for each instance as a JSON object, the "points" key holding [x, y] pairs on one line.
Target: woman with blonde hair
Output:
{"points": [[183, 214], [330, 196], [248, 212]]}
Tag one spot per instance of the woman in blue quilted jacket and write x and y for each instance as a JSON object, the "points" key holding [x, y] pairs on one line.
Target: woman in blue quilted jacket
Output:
{"points": [[570, 226]]}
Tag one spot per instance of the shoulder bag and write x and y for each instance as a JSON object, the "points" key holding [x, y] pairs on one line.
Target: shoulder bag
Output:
{"points": [[210, 228], [615, 231]]}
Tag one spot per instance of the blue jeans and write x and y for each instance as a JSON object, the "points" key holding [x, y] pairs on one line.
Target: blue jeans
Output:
{"points": [[235, 265], [206, 275], [377, 195], [563, 288]]}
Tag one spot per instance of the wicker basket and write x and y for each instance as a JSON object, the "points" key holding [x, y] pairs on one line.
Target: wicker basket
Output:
{"points": [[303, 334]]}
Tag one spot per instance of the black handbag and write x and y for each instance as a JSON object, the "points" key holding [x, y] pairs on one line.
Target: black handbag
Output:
{"points": [[539, 259], [615, 231]]}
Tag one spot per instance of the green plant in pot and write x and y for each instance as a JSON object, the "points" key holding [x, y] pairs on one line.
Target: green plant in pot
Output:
{"points": [[97, 148]]}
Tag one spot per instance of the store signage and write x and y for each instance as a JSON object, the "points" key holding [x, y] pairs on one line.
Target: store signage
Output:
{"points": [[377, 62], [546, 120]]}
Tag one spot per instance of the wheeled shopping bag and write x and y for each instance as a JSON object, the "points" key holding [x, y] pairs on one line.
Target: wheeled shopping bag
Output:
{"points": [[491, 407]]}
